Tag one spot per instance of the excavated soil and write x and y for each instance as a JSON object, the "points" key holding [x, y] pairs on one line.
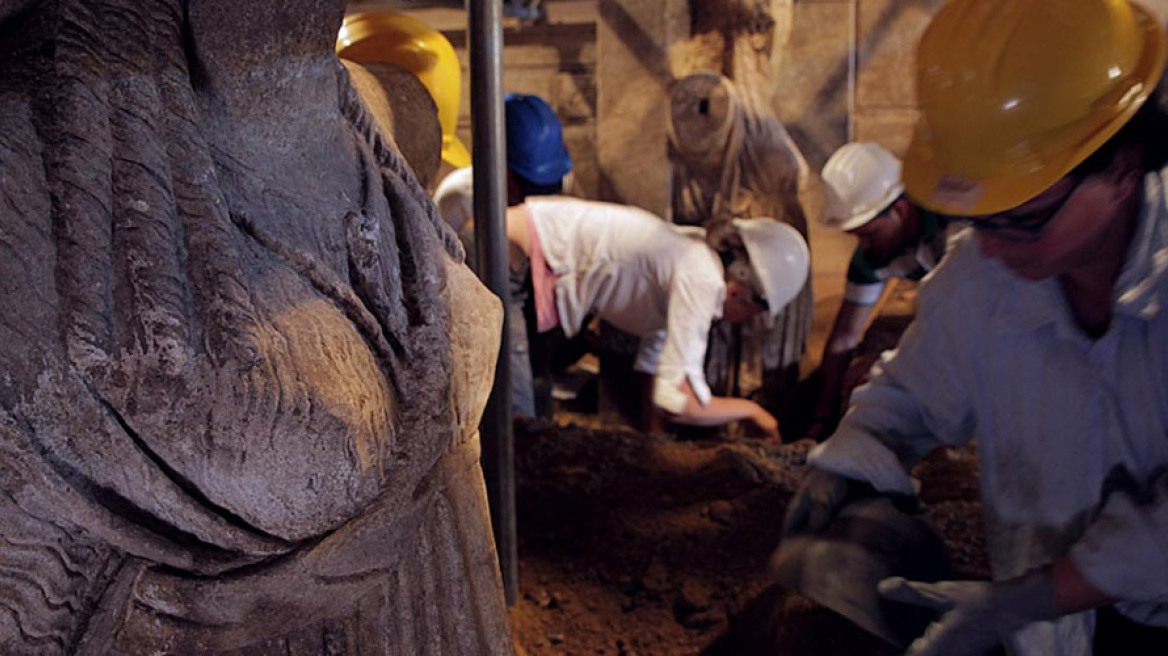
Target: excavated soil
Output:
{"points": [[658, 544], [638, 544], [647, 544]]}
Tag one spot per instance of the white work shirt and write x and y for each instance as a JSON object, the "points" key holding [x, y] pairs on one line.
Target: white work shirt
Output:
{"points": [[1072, 432], [454, 197], [633, 270]]}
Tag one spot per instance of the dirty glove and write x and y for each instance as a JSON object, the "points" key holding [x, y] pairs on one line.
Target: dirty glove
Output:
{"points": [[976, 615], [816, 501]]}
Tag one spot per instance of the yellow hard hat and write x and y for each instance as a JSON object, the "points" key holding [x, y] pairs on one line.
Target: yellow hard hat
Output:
{"points": [[415, 46], [1016, 93]]}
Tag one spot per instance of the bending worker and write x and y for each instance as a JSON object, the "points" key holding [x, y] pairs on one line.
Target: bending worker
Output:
{"points": [[865, 198], [1044, 332], [635, 271]]}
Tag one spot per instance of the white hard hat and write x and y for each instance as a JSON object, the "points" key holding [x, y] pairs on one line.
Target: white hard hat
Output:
{"points": [[779, 256], [861, 180]]}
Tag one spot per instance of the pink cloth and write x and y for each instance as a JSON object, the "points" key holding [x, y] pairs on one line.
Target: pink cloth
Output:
{"points": [[543, 281]]}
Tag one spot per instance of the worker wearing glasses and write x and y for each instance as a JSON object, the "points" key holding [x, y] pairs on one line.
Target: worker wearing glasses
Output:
{"points": [[1043, 334]]}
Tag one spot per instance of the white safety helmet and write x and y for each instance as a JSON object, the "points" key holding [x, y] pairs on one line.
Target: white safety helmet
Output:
{"points": [[779, 259], [861, 180]]}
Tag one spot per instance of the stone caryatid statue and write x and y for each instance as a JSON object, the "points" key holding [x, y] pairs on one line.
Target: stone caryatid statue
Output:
{"points": [[241, 364]]}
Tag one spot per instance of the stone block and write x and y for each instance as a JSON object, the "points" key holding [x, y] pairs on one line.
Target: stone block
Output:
{"points": [[888, 31], [573, 95], [812, 83], [632, 77], [581, 143], [558, 64], [889, 127]]}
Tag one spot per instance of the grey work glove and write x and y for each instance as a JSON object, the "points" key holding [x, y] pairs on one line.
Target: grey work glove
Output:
{"points": [[976, 615], [816, 501]]}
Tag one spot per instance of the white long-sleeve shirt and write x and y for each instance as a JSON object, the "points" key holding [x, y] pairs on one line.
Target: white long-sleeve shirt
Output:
{"points": [[635, 271], [1072, 432]]}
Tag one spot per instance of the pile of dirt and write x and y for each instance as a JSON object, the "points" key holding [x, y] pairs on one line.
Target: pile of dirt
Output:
{"points": [[646, 544]]}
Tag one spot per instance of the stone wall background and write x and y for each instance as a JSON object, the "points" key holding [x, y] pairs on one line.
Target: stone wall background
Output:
{"points": [[844, 74], [604, 66], [558, 63]]}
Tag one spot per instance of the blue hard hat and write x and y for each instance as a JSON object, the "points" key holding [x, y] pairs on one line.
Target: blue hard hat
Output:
{"points": [[535, 140]]}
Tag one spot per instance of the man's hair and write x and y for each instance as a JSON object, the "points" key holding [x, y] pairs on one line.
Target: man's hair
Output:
{"points": [[723, 236], [530, 188], [1147, 129]]}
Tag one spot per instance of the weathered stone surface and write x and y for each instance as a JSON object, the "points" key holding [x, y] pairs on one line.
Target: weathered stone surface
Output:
{"points": [[556, 62], [632, 103], [405, 112], [241, 366], [726, 35], [886, 51], [812, 84], [889, 127]]}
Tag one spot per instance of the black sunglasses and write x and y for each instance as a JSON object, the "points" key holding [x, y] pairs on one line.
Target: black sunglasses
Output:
{"points": [[1023, 226]]}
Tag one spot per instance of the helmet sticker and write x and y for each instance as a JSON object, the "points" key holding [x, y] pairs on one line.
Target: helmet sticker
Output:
{"points": [[961, 194]]}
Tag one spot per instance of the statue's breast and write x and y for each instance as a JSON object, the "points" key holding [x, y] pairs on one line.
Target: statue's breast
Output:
{"points": [[293, 441], [307, 433]]}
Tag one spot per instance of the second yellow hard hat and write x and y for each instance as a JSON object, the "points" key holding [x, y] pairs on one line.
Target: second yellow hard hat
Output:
{"points": [[1016, 93], [415, 46]]}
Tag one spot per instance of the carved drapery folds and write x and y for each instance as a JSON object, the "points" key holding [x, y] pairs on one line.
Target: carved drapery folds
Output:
{"points": [[242, 364]]}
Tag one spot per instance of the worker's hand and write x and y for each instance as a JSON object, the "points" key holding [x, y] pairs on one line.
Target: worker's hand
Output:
{"points": [[976, 615], [822, 427], [767, 423], [816, 502]]}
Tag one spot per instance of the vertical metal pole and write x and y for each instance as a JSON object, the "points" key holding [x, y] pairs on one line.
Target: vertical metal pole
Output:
{"points": [[485, 38], [853, 64]]}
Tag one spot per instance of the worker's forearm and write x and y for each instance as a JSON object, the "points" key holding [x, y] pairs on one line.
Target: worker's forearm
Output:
{"points": [[1072, 592], [719, 410], [831, 374], [848, 328], [846, 332], [839, 344]]}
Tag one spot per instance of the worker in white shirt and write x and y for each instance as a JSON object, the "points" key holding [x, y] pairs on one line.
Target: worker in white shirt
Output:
{"points": [[632, 269], [1043, 333]]}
